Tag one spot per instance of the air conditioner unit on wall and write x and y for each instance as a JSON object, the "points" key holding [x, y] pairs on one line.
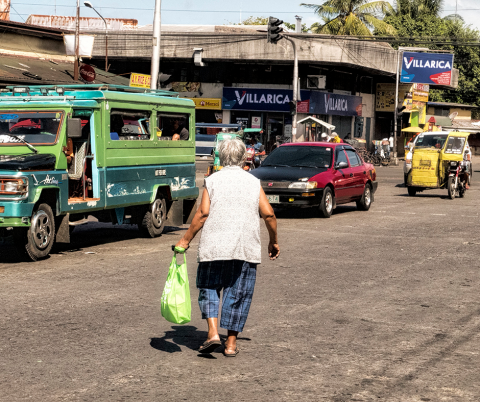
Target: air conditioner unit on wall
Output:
{"points": [[316, 81]]}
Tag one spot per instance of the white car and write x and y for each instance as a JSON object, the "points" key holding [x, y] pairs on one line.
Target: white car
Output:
{"points": [[436, 138]]}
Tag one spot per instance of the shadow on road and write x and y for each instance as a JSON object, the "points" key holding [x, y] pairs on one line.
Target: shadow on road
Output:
{"points": [[309, 213], [85, 236], [183, 335]]}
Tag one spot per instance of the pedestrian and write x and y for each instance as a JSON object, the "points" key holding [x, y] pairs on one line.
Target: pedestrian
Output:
{"points": [[229, 249], [335, 138]]}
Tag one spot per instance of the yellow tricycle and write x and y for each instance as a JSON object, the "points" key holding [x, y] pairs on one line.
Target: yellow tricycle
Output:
{"points": [[440, 161]]}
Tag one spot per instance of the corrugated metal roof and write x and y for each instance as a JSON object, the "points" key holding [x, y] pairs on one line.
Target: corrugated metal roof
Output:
{"points": [[451, 104], [23, 71]]}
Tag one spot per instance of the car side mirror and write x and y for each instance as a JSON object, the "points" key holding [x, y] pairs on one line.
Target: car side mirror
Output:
{"points": [[74, 128], [341, 165]]}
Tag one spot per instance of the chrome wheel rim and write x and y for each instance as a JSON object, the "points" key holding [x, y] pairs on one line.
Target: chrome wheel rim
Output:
{"points": [[158, 213], [367, 196], [328, 202], [42, 229]]}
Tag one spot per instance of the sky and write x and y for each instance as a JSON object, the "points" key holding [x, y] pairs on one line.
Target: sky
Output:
{"points": [[205, 12]]}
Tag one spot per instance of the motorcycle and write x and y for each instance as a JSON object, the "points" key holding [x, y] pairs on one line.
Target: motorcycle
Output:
{"points": [[457, 179], [250, 160]]}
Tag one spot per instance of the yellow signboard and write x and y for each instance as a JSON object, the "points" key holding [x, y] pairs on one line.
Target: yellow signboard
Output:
{"points": [[208, 103], [139, 80]]}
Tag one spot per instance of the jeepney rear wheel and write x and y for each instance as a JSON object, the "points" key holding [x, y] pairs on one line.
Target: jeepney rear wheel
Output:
{"points": [[154, 218], [37, 241], [412, 191]]}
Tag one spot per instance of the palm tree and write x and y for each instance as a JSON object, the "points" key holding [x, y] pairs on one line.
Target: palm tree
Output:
{"points": [[352, 17], [417, 8]]}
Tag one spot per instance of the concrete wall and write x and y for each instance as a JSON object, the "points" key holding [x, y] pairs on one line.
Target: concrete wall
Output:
{"points": [[463, 114], [378, 58], [31, 44]]}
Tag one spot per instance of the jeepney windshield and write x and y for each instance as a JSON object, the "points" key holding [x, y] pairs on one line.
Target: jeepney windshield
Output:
{"points": [[35, 127], [436, 141]]}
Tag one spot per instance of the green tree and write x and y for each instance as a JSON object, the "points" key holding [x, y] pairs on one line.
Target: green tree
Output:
{"points": [[254, 21], [417, 8], [292, 27], [352, 17]]}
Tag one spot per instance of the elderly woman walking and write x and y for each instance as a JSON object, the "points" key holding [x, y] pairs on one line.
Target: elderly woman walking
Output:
{"points": [[229, 248]]}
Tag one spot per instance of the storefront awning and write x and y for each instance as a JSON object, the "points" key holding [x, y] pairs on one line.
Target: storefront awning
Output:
{"points": [[311, 119]]}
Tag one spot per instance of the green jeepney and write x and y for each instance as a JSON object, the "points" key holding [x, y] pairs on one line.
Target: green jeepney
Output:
{"points": [[70, 152]]}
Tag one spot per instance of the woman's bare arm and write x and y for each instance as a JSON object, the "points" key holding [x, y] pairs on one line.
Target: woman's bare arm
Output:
{"points": [[197, 223], [266, 212]]}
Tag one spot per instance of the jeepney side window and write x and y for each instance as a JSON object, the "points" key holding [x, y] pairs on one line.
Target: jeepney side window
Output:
{"points": [[173, 126], [129, 125]]}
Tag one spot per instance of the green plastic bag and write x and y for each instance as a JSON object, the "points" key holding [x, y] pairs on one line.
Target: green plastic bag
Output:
{"points": [[176, 305]]}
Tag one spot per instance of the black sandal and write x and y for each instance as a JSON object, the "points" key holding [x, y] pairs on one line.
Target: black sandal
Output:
{"points": [[231, 354], [210, 346]]}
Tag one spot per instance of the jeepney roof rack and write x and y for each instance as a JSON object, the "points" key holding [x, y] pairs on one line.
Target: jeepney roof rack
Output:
{"points": [[45, 89]]}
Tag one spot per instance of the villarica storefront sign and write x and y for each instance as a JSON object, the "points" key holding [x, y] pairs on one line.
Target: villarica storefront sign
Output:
{"points": [[277, 100], [258, 99]]}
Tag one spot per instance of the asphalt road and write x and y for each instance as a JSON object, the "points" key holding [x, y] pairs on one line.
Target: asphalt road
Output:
{"points": [[365, 306]]}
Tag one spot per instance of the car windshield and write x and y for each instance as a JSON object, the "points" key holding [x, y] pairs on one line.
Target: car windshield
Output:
{"points": [[300, 156], [431, 141], [35, 127]]}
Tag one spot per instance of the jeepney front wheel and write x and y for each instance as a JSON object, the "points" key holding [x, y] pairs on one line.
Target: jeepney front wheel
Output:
{"points": [[38, 240], [154, 218], [451, 187]]}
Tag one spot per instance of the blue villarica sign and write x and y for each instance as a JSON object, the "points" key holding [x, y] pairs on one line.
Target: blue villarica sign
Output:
{"points": [[335, 104], [427, 68], [261, 99]]}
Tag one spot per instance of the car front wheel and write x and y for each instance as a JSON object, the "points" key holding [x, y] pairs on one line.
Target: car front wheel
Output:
{"points": [[364, 203], [326, 206]]}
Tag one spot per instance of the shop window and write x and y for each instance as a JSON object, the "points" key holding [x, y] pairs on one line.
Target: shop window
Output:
{"points": [[129, 125], [173, 126], [440, 111]]}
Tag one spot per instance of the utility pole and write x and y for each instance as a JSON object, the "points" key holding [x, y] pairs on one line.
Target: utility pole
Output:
{"points": [[295, 88], [77, 40], [155, 66]]}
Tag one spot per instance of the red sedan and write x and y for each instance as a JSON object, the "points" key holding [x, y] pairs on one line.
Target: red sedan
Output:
{"points": [[317, 174]]}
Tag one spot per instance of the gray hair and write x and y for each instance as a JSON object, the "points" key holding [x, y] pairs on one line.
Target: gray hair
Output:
{"points": [[232, 152]]}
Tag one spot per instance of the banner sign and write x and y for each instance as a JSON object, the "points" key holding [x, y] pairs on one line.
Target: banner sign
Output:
{"points": [[335, 104], [139, 80], [427, 68], [207, 103], [259, 99]]}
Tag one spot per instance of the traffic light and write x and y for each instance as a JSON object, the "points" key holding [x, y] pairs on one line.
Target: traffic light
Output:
{"points": [[293, 107], [400, 109], [274, 30]]}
